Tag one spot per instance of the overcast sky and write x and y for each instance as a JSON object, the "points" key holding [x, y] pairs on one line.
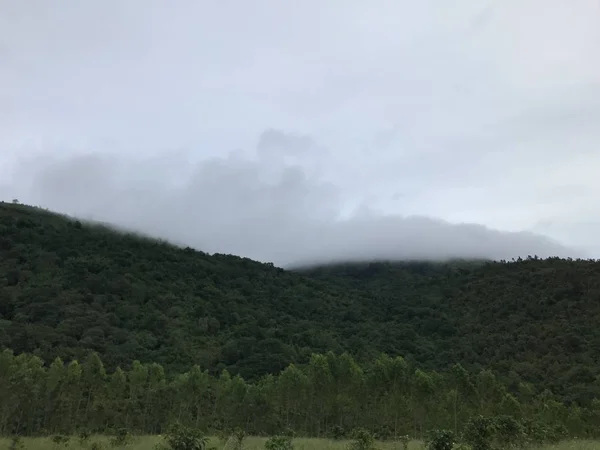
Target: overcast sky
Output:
{"points": [[310, 130]]}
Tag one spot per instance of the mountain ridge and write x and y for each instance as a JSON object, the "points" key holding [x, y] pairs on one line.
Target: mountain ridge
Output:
{"points": [[68, 287]]}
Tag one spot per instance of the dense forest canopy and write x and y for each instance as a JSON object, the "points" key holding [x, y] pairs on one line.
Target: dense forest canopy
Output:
{"points": [[69, 288]]}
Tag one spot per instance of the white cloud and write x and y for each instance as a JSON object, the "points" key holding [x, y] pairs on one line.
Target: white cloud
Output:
{"points": [[259, 207]]}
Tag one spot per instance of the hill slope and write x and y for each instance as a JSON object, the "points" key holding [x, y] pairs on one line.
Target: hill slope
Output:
{"points": [[67, 288]]}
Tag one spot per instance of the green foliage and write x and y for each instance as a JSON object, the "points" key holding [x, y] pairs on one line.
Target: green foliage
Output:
{"points": [[111, 330], [440, 440], [97, 446], [479, 433], [289, 432], [181, 437], [81, 288], [509, 432], [330, 389], [337, 433], [539, 433], [279, 443], [504, 432], [384, 433], [362, 439]]}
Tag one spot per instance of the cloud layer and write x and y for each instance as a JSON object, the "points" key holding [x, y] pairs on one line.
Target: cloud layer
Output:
{"points": [[261, 207]]}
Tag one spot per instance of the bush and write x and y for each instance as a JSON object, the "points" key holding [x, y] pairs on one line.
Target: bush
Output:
{"points": [[440, 440], [509, 432], [479, 433], [337, 433], [279, 443], [362, 440], [558, 433], [179, 437], [384, 433], [538, 433]]}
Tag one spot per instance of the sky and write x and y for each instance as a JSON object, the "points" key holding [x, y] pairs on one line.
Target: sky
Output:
{"points": [[310, 131]]}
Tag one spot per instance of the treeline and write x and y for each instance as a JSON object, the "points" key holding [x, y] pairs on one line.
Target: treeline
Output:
{"points": [[330, 394]]}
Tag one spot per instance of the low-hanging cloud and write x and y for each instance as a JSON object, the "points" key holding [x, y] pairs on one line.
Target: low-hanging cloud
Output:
{"points": [[258, 205]]}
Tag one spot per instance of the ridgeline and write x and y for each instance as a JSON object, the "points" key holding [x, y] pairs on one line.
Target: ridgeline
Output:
{"points": [[69, 288]]}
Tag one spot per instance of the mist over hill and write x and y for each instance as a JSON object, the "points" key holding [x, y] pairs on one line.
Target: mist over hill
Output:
{"points": [[260, 207]]}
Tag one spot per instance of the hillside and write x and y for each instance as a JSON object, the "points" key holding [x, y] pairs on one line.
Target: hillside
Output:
{"points": [[67, 288]]}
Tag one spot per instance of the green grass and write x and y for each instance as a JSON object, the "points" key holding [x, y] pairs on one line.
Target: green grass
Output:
{"points": [[148, 443], [254, 443]]}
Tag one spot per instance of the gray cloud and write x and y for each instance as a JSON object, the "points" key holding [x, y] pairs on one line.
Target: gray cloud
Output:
{"points": [[256, 206]]}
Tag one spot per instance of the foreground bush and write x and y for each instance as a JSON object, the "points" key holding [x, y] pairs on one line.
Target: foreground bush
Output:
{"points": [[440, 440], [337, 433], [279, 443], [362, 440], [501, 432], [180, 437]]}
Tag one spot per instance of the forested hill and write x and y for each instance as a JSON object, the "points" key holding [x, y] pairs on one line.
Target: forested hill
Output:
{"points": [[67, 288]]}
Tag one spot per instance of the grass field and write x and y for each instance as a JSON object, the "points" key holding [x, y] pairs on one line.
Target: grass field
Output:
{"points": [[148, 443], [254, 443]]}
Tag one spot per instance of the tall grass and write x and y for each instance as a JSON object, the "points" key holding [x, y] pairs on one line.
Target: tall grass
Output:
{"points": [[255, 443], [148, 443]]}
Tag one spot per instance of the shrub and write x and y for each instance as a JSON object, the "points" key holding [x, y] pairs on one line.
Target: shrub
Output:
{"points": [[440, 440], [509, 432], [384, 433], [337, 433], [538, 433], [479, 432], [279, 443], [97, 446], [557, 433], [362, 440], [179, 437]]}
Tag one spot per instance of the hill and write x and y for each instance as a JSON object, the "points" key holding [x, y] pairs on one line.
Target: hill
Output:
{"points": [[67, 288]]}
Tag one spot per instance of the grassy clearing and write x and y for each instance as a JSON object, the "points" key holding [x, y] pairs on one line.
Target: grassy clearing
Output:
{"points": [[257, 443]]}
